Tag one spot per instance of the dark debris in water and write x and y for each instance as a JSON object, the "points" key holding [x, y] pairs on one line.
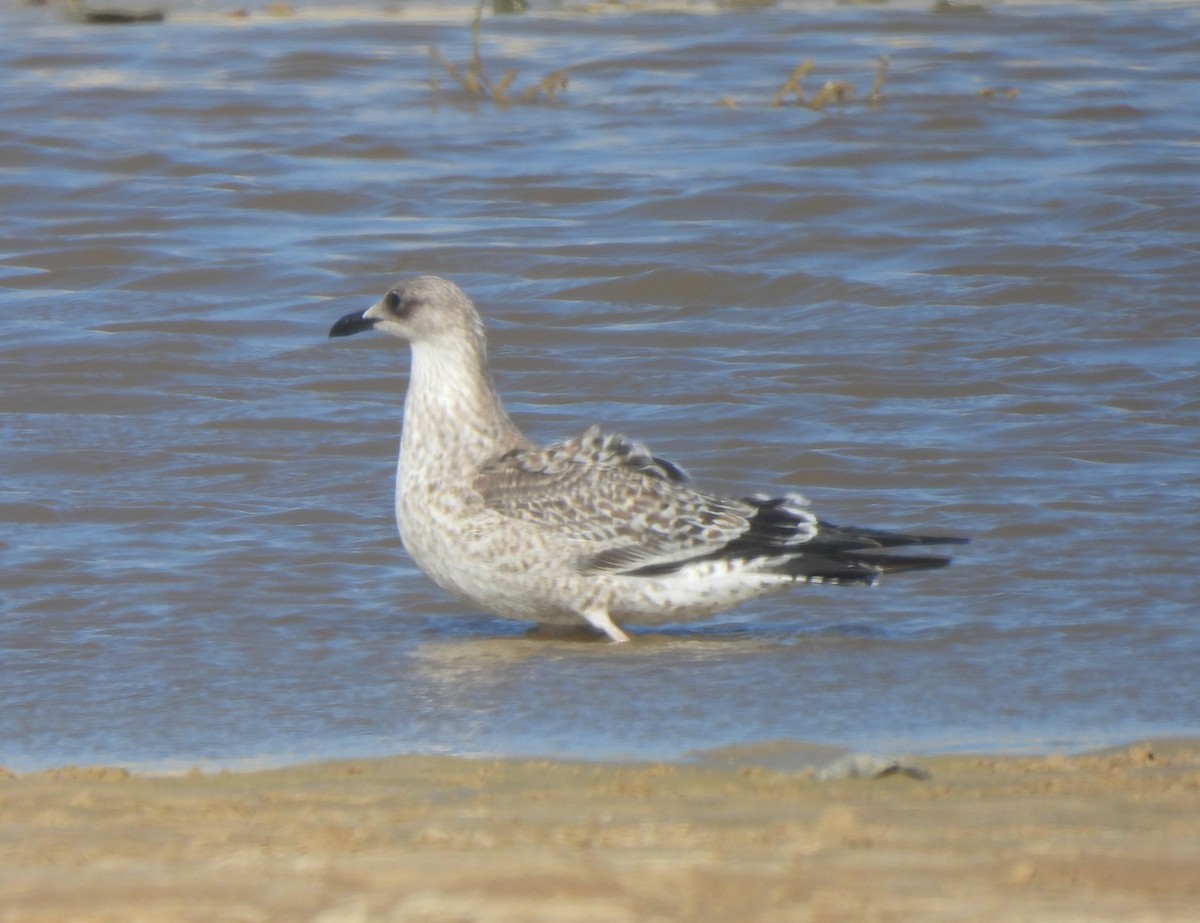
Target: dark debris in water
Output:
{"points": [[959, 7], [110, 17]]}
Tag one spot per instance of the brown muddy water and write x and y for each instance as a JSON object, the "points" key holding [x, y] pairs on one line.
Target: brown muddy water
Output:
{"points": [[966, 301]]}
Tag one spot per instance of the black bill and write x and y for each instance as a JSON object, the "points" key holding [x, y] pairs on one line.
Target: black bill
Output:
{"points": [[352, 323]]}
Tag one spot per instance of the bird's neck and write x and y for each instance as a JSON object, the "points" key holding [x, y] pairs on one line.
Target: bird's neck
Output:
{"points": [[453, 418]]}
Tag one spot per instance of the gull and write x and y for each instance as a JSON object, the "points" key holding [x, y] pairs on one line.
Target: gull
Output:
{"points": [[593, 529]]}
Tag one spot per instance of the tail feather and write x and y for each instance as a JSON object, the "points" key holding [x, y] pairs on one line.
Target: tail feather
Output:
{"points": [[852, 567], [894, 563], [838, 554]]}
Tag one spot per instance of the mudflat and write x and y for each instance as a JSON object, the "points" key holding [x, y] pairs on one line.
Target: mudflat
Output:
{"points": [[1113, 835]]}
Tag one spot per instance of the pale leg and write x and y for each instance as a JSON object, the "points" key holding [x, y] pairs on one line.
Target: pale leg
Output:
{"points": [[600, 619]]}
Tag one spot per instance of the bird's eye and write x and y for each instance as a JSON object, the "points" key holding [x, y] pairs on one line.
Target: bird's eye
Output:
{"points": [[393, 300]]}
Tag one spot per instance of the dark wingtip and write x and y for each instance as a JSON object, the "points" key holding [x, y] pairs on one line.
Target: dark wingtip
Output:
{"points": [[849, 538], [352, 323], [945, 540]]}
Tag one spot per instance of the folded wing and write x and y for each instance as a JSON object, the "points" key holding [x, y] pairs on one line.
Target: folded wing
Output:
{"points": [[633, 514]]}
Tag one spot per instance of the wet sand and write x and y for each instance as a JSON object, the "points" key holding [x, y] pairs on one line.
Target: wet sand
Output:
{"points": [[1104, 836]]}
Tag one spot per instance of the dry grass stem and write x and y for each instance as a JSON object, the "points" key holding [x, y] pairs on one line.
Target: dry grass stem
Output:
{"points": [[875, 96], [474, 79], [791, 86]]}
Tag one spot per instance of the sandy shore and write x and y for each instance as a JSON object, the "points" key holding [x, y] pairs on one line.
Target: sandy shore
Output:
{"points": [[1108, 836]]}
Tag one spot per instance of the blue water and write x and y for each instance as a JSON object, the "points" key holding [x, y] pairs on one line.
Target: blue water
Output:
{"points": [[968, 306]]}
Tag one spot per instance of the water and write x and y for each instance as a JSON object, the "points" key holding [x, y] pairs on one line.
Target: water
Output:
{"points": [[952, 310]]}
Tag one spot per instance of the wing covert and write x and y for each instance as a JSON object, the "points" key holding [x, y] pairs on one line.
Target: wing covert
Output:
{"points": [[626, 507]]}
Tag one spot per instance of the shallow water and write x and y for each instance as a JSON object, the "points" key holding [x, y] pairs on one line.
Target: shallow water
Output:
{"points": [[968, 306]]}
